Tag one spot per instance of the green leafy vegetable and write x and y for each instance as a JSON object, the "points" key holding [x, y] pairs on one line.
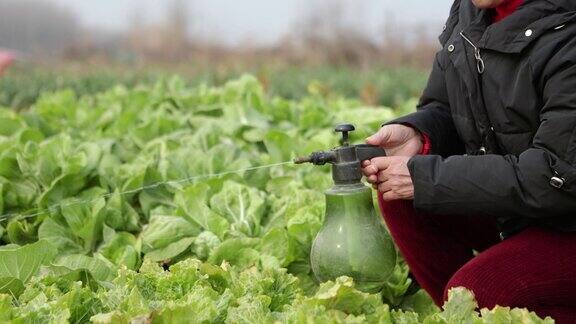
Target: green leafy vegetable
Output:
{"points": [[167, 204]]}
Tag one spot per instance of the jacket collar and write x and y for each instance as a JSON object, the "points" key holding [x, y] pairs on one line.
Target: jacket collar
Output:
{"points": [[513, 34]]}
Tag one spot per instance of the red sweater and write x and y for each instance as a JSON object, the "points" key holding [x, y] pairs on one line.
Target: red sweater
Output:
{"points": [[506, 9]]}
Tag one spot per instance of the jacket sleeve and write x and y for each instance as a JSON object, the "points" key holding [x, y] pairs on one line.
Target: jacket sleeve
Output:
{"points": [[433, 116], [516, 186]]}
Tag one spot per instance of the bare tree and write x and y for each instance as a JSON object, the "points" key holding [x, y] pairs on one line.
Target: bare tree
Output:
{"points": [[177, 30], [403, 44], [333, 30]]}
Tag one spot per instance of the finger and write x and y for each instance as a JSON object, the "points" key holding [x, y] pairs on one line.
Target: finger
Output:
{"points": [[390, 196], [382, 177], [370, 170], [372, 179], [384, 187], [381, 163], [365, 163]]}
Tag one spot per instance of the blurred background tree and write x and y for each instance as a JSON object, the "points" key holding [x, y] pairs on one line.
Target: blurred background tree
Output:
{"points": [[347, 46], [322, 32]]}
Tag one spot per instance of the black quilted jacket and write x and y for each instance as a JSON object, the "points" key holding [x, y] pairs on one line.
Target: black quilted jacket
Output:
{"points": [[500, 110]]}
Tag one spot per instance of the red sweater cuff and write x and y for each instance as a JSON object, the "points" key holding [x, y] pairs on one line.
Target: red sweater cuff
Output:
{"points": [[427, 145]]}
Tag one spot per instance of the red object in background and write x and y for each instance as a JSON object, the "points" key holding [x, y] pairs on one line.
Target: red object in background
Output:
{"points": [[506, 9], [6, 59]]}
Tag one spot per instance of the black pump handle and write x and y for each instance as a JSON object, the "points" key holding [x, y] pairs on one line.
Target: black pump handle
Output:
{"points": [[344, 129]]}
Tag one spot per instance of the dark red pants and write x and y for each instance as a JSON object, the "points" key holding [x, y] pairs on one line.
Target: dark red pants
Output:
{"points": [[535, 269]]}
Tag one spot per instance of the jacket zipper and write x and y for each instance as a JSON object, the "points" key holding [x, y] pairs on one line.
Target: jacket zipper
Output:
{"points": [[480, 66]]}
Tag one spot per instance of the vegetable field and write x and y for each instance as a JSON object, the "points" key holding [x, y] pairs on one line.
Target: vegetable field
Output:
{"points": [[22, 86], [165, 203]]}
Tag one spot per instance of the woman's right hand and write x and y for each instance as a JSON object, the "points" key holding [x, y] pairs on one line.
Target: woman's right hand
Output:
{"points": [[397, 140]]}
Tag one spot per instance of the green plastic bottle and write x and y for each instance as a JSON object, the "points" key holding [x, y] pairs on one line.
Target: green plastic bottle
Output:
{"points": [[353, 241]]}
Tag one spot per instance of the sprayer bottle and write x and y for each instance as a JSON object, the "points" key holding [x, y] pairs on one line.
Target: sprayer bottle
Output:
{"points": [[352, 241]]}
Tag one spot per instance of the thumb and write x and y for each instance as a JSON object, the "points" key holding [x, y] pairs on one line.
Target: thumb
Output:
{"points": [[380, 138]]}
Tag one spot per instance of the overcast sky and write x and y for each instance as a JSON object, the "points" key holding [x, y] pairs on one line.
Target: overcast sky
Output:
{"points": [[262, 21]]}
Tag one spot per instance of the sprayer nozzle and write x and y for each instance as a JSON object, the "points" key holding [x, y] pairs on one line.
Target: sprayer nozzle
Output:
{"points": [[317, 158], [302, 160]]}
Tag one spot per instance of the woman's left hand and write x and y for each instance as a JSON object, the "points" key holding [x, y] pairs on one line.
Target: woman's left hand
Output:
{"points": [[390, 175]]}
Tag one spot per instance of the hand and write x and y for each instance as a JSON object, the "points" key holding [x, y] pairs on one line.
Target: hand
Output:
{"points": [[397, 140], [390, 175]]}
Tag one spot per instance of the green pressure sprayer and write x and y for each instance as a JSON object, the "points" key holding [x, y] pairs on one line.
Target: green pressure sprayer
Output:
{"points": [[353, 240]]}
